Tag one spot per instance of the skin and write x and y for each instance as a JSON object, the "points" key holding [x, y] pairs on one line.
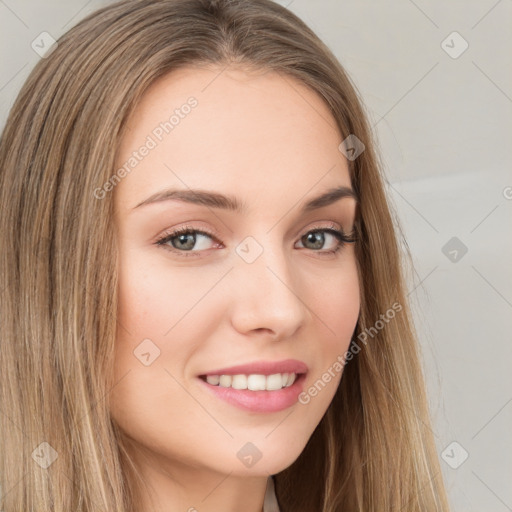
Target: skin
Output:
{"points": [[272, 143]]}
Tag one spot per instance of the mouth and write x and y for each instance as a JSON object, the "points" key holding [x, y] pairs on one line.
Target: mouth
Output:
{"points": [[253, 382], [264, 392]]}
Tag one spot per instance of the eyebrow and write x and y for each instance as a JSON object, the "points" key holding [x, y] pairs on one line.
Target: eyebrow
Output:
{"points": [[217, 200]]}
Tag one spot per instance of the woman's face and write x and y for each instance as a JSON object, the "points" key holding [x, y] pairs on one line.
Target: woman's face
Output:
{"points": [[256, 286]]}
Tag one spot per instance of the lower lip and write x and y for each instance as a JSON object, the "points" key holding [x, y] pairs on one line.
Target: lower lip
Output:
{"points": [[259, 401]]}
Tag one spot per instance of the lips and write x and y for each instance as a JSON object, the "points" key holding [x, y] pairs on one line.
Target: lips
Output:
{"points": [[258, 386], [260, 401], [262, 368]]}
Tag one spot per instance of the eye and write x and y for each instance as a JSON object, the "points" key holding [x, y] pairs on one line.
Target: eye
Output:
{"points": [[184, 239], [317, 238], [187, 241]]}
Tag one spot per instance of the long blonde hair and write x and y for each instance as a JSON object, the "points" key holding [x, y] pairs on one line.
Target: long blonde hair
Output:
{"points": [[373, 450]]}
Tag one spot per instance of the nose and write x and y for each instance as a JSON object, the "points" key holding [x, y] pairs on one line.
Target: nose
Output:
{"points": [[268, 296]]}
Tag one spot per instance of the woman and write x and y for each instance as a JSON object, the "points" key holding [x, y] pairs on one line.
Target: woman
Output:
{"points": [[203, 305]]}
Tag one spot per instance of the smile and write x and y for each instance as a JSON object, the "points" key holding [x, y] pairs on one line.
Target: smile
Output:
{"points": [[254, 392], [253, 382]]}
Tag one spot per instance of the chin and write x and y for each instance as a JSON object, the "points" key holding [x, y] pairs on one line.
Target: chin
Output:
{"points": [[265, 458]]}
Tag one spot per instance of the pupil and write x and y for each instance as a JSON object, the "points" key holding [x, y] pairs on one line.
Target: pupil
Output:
{"points": [[183, 237], [319, 239]]}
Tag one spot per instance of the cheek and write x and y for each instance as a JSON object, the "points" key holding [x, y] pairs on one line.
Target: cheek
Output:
{"points": [[337, 307], [154, 298], [156, 325], [336, 311], [166, 312]]}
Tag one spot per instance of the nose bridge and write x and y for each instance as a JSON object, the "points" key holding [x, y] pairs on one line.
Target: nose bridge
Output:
{"points": [[268, 297]]}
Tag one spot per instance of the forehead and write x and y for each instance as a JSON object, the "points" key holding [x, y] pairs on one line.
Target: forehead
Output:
{"points": [[242, 131]]}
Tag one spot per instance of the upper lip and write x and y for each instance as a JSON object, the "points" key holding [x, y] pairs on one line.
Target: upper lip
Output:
{"points": [[263, 368]]}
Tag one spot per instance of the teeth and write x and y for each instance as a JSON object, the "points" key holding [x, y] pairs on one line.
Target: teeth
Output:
{"points": [[225, 381], [238, 381], [256, 382], [253, 382], [213, 379], [274, 382]]}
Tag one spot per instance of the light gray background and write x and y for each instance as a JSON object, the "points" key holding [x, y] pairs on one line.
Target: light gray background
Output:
{"points": [[443, 125]]}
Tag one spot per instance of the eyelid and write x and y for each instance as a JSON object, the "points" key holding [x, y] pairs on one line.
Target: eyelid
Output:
{"points": [[173, 232], [342, 236]]}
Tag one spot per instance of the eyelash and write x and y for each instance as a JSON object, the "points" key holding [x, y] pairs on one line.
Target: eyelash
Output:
{"points": [[340, 235]]}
